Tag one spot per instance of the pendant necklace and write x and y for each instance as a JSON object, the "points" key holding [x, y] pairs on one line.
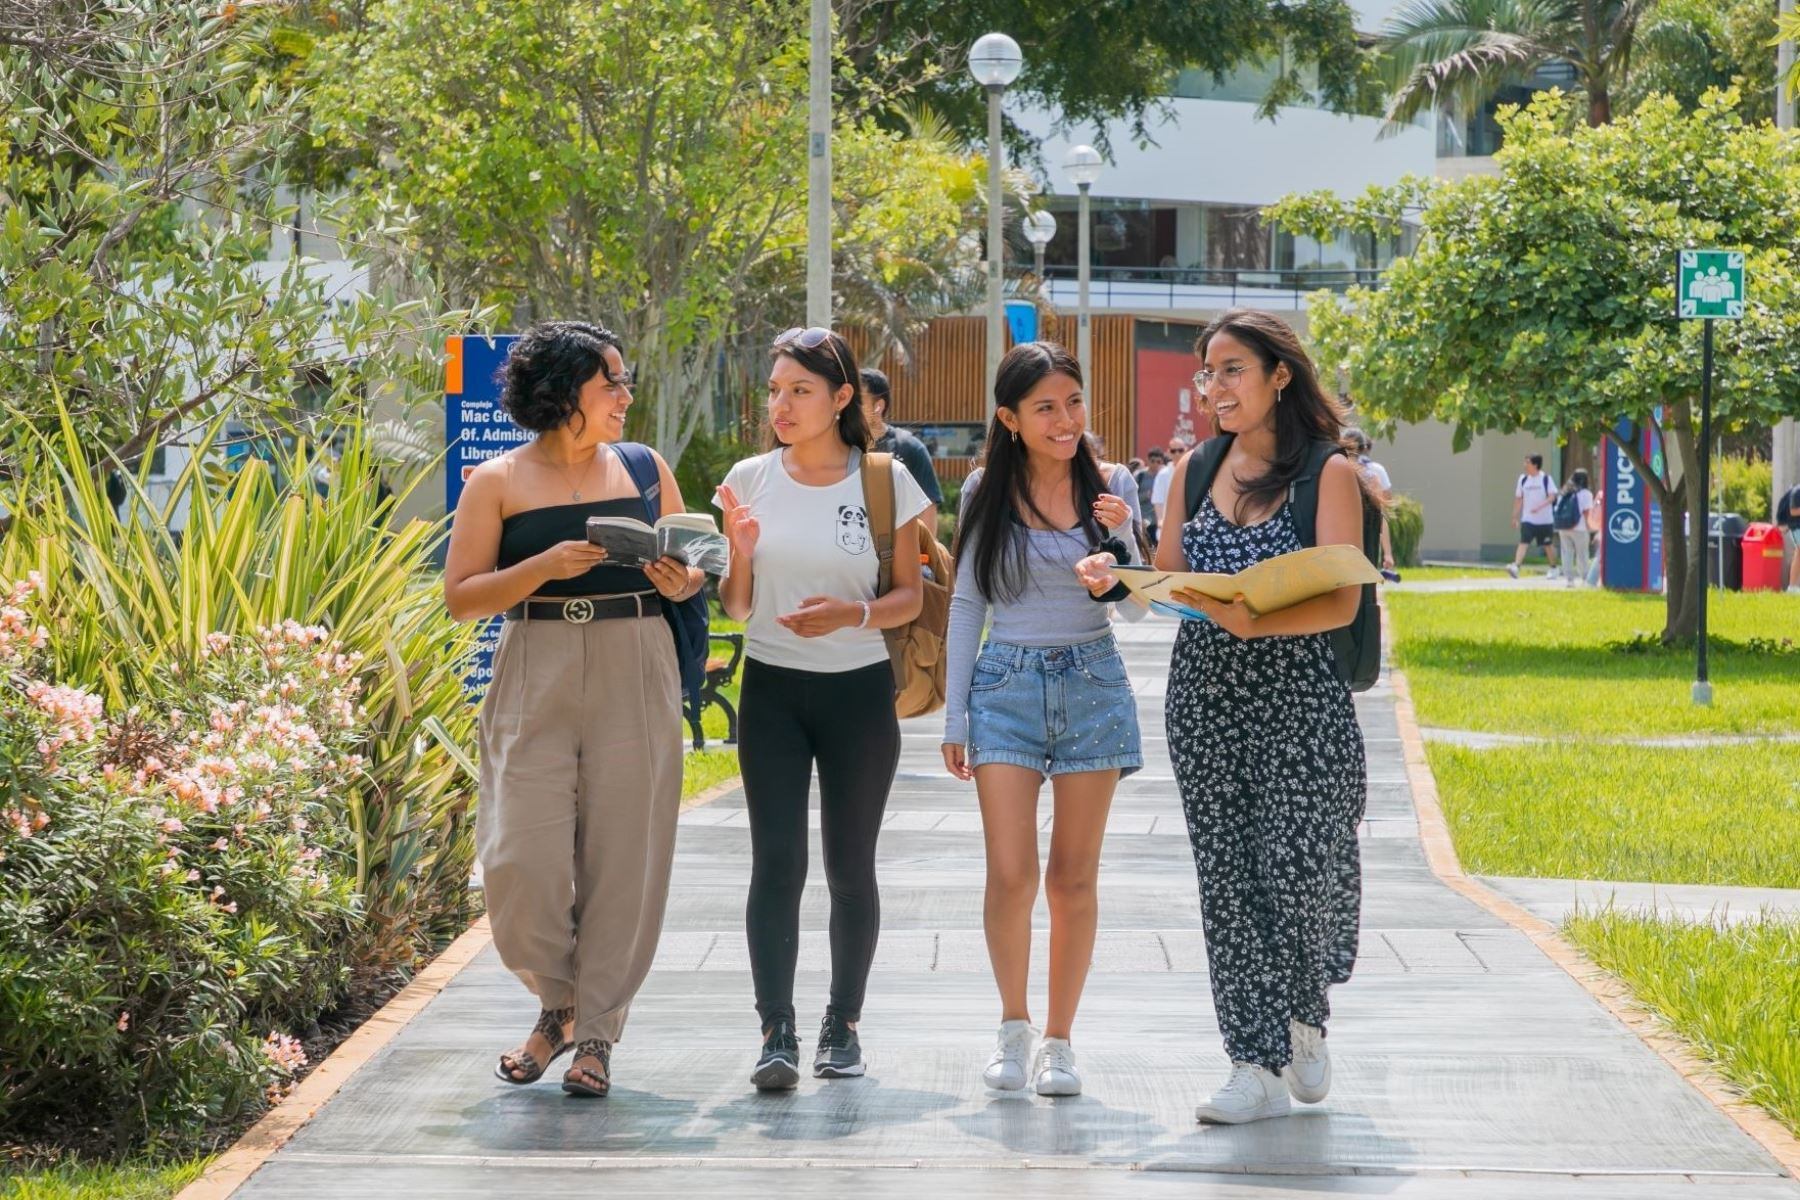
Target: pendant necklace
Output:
{"points": [[574, 484]]}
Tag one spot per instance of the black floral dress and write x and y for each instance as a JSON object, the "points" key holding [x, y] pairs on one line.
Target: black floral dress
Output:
{"points": [[1269, 760]]}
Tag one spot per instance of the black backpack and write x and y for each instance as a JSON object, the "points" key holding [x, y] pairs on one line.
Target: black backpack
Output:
{"points": [[1566, 512], [1357, 646], [1787, 509], [689, 619]]}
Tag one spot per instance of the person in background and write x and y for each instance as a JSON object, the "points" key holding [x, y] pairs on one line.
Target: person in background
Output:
{"points": [[1596, 525], [1570, 515], [1047, 695], [581, 725], [1359, 445], [818, 689], [1534, 496], [1154, 461], [1787, 516], [891, 439], [1159, 491]]}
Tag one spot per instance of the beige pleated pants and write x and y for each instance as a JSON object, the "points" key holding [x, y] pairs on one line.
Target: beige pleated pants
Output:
{"points": [[580, 792]]}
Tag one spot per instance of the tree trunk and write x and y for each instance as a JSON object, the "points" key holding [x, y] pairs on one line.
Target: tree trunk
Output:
{"points": [[1599, 106]]}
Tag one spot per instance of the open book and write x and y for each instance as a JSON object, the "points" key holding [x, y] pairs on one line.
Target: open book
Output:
{"points": [[1270, 586], [692, 538]]}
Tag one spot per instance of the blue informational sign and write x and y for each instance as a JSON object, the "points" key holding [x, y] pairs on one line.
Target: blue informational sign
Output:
{"points": [[1022, 321], [476, 429], [1631, 543]]}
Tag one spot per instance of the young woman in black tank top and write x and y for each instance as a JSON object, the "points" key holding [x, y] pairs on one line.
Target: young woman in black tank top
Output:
{"points": [[581, 724]]}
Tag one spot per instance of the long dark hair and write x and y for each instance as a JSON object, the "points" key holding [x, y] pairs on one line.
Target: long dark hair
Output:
{"points": [[1578, 479], [988, 523], [833, 362], [1304, 415]]}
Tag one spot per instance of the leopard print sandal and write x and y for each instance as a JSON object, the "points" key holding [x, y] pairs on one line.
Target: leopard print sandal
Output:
{"points": [[520, 1067], [585, 1081]]}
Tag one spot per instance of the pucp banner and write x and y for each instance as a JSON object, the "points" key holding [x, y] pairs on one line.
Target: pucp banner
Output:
{"points": [[1631, 549], [476, 429]]}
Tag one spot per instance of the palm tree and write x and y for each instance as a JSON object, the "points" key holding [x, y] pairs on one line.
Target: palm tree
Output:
{"points": [[1457, 53]]}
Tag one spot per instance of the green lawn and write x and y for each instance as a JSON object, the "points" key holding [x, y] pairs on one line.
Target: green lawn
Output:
{"points": [[707, 768], [1719, 815], [1537, 662], [1728, 990], [1470, 571], [124, 1181]]}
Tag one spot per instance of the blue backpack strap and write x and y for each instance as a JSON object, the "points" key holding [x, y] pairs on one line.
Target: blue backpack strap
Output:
{"points": [[641, 463]]}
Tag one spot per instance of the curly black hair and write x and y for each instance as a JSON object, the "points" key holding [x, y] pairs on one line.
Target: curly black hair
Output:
{"points": [[541, 381]]}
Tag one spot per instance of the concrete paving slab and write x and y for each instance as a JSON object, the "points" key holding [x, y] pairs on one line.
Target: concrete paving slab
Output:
{"points": [[1555, 899], [1466, 1065]]}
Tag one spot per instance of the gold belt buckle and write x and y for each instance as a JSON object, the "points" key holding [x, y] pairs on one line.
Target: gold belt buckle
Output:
{"points": [[579, 611]]}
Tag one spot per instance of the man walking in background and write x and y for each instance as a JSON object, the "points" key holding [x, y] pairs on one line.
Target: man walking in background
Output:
{"points": [[889, 439], [1146, 485], [1534, 498], [1159, 490]]}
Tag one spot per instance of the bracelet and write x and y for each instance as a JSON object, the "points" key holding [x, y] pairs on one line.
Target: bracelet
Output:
{"points": [[864, 623]]}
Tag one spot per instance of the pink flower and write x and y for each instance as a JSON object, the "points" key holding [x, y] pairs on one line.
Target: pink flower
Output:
{"points": [[222, 844], [124, 1021], [285, 1052]]}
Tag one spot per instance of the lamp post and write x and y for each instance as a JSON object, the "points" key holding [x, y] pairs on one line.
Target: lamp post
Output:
{"points": [[1083, 168], [818, 172], [994, 61], [1040, 227]]}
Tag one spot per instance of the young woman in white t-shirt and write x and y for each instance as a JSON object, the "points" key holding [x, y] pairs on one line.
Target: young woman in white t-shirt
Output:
{"points": [[818, 691]]}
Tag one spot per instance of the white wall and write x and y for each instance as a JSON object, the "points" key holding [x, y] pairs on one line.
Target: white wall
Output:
{"points": [[1218, 152]]}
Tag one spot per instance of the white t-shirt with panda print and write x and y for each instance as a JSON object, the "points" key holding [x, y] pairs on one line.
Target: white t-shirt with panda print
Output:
{"points": [[813, 541]]}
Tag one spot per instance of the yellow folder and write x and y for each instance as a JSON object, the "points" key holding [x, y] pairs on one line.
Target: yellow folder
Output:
{"points": [[1270, 586]]}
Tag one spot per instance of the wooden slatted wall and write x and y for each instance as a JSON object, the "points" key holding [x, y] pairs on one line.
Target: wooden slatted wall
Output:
{"points": [[943, 382]]}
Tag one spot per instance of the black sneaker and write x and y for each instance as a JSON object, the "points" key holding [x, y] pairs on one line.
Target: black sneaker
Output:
{"points": [[779, 1066], [839, 1055]]}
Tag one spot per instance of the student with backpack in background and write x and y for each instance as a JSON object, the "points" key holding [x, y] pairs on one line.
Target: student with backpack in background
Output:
{"points": [[1787, 516], [818, 687], [1267, 751], [1047, 695], [1534, 495], [1569, 515]]}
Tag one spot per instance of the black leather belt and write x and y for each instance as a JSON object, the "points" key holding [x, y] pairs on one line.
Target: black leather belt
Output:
{"points": [[582, 609]]}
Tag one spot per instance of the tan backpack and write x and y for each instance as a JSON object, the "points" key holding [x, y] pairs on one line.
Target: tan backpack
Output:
{"points": [[915, 650]]}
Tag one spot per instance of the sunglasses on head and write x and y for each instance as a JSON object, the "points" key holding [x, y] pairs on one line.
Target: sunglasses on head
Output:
{"points": [[811, 339]]}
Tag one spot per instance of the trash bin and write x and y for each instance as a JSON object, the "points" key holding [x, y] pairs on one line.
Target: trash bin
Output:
{"points": [[1725, 550], [1762, 557]]}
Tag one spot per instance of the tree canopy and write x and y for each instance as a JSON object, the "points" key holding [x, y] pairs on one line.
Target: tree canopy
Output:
{"points": [[1543, 298]]}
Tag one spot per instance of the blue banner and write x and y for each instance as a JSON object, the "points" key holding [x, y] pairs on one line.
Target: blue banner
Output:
{"points": [[1022, 321], [1631, 542], [476, 429]]}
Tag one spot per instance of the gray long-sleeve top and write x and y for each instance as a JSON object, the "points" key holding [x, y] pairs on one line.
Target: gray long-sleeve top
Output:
{"points": [[1053, 609]]}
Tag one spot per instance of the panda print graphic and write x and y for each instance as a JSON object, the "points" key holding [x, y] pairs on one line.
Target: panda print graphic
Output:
{"points": [[853, 529]]}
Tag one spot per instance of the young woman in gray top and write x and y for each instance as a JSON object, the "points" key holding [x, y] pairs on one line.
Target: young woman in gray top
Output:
{"points": [[1047, 695]]}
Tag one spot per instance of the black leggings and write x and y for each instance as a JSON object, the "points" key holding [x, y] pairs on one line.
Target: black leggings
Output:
{"points": [[843, 721]]}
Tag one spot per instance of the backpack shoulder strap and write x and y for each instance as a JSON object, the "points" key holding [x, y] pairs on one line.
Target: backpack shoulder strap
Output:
{"points": [[878, 498], [1203, 468], [641, 464], [1303, 493]]}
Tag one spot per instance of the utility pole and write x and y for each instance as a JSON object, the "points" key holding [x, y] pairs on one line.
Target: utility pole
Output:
{"points": [[1784, 454], [818, 173]]}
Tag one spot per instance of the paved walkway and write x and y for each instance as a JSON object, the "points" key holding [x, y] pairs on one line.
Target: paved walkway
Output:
{"points": [[1467, 1066], [1554, 899]]}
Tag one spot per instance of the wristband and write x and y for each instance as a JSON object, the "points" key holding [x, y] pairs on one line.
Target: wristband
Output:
{"points": [[1111, 595], [864, 623]]}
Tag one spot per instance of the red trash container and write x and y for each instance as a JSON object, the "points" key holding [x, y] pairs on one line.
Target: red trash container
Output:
{"points": [[1762, 558]]}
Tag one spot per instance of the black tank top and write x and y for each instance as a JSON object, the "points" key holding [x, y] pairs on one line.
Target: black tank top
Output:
{"points": [[537, 529]]}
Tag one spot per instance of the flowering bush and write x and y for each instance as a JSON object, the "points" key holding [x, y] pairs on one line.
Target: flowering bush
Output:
{"points": [[176, 887]]}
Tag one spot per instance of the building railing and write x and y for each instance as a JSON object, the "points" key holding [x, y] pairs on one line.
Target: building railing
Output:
{"points": [[1207, 287]]}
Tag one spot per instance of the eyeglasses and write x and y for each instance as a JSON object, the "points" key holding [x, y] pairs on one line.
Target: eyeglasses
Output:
{"points": [[1227, 379], [812, 339]]}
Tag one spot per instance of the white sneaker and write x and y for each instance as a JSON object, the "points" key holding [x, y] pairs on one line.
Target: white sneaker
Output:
{"points": [[1553, 573], [1512, 569], [1308, 1073], [1055, 1069], [1006, 1069], [1251, 1094]]}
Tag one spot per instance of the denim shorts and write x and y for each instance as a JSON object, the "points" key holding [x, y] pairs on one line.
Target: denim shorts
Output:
{"points": [[1054, 709]]}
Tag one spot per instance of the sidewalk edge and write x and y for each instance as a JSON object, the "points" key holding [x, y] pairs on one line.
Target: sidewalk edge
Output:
{"points": [[1613, 995], [242, 1159]]}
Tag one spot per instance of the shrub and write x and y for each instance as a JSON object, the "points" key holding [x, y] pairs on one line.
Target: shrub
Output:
{"points": [[176, 886], [705, 461], [126, 603], [1747, 487], [1406, 528]]}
